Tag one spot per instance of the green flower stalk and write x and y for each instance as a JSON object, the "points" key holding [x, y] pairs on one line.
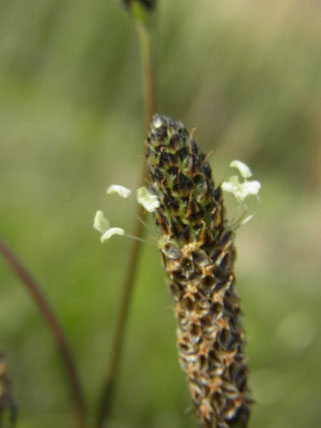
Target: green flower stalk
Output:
{"points": [[8, 407], [198, 252]]}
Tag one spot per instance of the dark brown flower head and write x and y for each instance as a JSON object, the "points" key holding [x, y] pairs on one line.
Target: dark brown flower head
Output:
{"points": [[198, 253]]}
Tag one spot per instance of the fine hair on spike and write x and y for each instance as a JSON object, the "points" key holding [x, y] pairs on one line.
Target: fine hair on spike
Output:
{"points": [[198, 252]]}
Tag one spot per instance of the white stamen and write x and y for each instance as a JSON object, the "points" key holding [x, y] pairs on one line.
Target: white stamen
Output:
{"points": [[100, 222], [147, 199], [244, 170], [230, 187], [251, 188], [241, 190], [111, 232], [122, 191]]}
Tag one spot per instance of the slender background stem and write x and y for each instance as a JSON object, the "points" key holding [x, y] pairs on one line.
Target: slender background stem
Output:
{"points": [[70, 369], [130, 275], [149, 88]]}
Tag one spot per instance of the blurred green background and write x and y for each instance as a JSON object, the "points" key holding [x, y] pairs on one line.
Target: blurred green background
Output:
{"points": [[247, 75]]}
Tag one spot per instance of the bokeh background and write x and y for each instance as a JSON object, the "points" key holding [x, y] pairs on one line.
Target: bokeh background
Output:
{"points": [[247, 75]]}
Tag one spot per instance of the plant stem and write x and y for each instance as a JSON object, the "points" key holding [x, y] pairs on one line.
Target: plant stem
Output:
{"points": [[149, 89], [130, 275], [70, 369]]}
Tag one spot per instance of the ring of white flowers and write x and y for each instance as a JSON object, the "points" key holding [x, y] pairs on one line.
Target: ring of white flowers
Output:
{"points": [[239, 186]]}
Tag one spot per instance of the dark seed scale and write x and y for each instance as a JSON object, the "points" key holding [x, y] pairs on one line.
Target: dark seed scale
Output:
{"points": [[198, 254]]}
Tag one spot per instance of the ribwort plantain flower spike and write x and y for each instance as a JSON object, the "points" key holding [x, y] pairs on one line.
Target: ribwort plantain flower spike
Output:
{"points": [[197, 247]]}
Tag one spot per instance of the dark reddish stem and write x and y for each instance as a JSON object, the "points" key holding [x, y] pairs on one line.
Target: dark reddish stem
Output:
{"points": [[34, 290]]}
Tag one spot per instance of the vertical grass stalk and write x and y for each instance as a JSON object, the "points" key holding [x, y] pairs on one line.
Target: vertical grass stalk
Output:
{"points": [[106, 398]]}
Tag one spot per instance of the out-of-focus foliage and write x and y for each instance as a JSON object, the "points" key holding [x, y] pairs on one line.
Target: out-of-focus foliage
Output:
{"points": [[247, 75]]}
